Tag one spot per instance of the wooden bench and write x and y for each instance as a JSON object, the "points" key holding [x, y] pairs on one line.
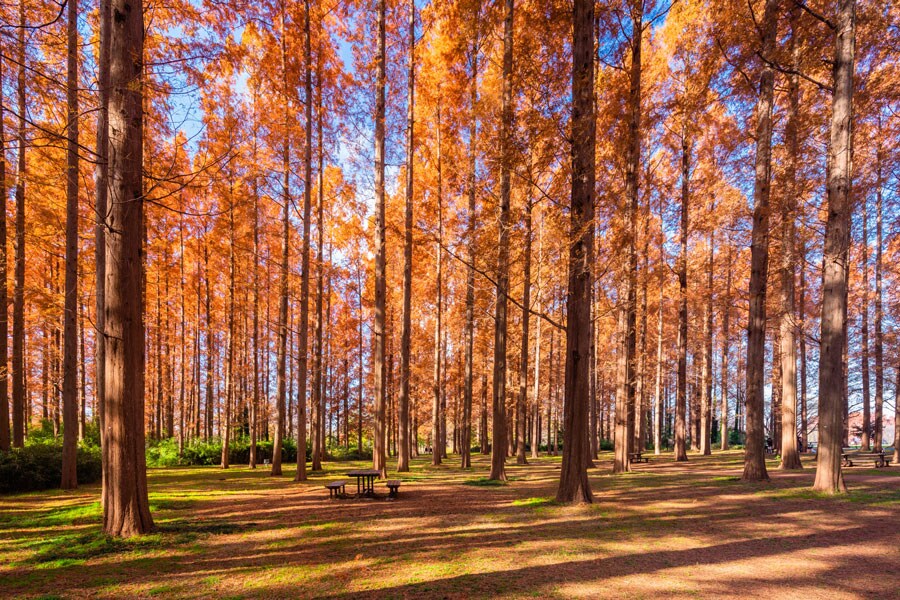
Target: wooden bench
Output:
{"points": [[638, 457], [393, 485], [878, 458], [336, 488]]}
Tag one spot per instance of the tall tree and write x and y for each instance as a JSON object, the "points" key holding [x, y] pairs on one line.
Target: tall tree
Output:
{"points": [[573, 479], [498, 445], [829, 478], [4, 308], [70, 315], [18, 352], [879, 301], [681, 391], [378, 451], [126, 508], [755, 449], [406, 326]]}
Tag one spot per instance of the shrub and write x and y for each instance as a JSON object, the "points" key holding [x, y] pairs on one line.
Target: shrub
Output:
{"points": [[38, 466], [164, 453]]}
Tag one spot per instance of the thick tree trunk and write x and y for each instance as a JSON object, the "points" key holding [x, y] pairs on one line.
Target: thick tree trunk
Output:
{"points": [[284, 284], [829, 478], [573, 480], [378, 451], [498, 450], [126, 509], [790, 457], [755, 448], [406, 326], [18, 352], [681, 393], [70, 314]]}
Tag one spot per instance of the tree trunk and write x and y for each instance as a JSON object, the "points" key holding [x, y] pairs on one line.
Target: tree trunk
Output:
{"points": [[225, 426], [706, 412], [658, 398], [254, 400], [879, 308], [573, 479], [284, 285], [726, 319], [5, 438], [755, 449], [829, 478], [18, 357], [498, 452], [126, 509], [790, 457], [437, 452], [406, 326], [865, 442], [681, 393], [318, 453], [378, 451], [70, 316], [625, 396], [526, 313], [536, 405]]}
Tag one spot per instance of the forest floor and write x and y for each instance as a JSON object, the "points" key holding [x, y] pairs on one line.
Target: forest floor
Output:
{"points": [[666, 530]]}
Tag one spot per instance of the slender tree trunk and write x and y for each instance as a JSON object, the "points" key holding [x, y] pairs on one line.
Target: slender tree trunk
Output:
{"points": [[5, 438], [318, 390], [437, 452], [18, 357], [254, 402], [706, 413], [470, 235], [225, 426], [879, 307], [126, 509], [865, 442], [755, 448], [625, 396], [829, 478], [801, 332], [378, 452], [681, 393], [526, 313], [406, 326], [658, 395], [536, 405], [359, 398], [726, 321], [284, 285], [573, 479], [498, 454], [70, 323]]}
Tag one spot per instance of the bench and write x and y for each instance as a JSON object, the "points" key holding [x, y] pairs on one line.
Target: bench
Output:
{"points": [[637, 457], [392, 485], [335, 488], [878, 458]]}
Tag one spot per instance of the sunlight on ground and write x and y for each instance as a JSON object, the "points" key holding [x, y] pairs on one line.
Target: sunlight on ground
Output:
{"points": [[666, 530]]}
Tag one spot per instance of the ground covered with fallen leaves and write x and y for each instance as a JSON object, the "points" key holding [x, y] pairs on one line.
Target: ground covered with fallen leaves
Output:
{"points": [[666, 530]]}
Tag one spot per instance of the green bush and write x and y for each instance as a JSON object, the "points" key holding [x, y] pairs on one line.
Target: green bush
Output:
{"points": [[38, 466], [164, 453]]}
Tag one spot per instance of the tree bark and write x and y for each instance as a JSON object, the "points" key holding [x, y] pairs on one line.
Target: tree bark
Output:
{"points": [[126, 509], [706, 412], [681, 393], [865, 441], [526, 313], [284, 285], [625, 397], [573, 480], [437, 452], [829, 478], [879, 306], [18, 352], [726, 321], [318, 453], [755, 448], [5, 437], [536, 403], [378, 451], [498, 451], [70, 315], [406, 326]]}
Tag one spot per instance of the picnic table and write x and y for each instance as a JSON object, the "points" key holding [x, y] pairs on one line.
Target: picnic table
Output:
{"points": [[365, 481], [636, 457], [878, 458]]}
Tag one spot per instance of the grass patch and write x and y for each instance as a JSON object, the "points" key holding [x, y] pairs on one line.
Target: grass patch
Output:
{"points": [[532, 502], [485, 482]]}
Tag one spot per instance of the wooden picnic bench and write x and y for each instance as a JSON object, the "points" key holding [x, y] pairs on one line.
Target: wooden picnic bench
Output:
{"points": [[393, 485], [637, 457], [879, 458], [336, 488]]}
